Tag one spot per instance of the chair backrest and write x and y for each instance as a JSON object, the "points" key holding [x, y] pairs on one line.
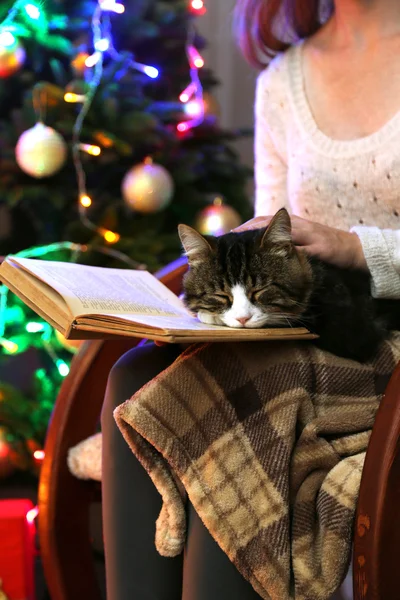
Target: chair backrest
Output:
{"points": [[377, 523], [63, 499]]}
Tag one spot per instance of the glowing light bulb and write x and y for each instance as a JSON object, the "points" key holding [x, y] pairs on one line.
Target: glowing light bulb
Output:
{"points": [[9, 346], [62, 367], [188, 92], [102, 45], [112, 6], [7, 39], [32, 11], [93, 59], [32, 514], [85, 200], [194, 108], [111, 237], [194, 57], [151, 72], [71, 97], [197, 4], [183, 127], [38, 455], [90, 149], [34, 327]]}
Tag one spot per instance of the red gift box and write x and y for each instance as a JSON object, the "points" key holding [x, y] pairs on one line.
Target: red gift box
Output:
{"points": [[17, 549]]}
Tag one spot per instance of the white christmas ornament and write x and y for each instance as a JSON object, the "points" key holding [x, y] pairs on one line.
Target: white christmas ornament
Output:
{"points": [[41, 151], [147, 188]]}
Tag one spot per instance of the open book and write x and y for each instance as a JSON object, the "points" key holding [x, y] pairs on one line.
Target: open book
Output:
{"points": [[92, 302]]}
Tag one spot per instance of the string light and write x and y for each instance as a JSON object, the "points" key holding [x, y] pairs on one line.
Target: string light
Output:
{"points": [[194, 108], [7, 40], [110, 236], [194, 91], [198, 7], [112, 6], [34, 327], [32, 514], [188, 92], [32, 11], [9, 346], [71, 97], [151, 72], [93, 59], [86, 201], [102, 43], [90, 149], [62, 367], [183, 126], [194, 57]]}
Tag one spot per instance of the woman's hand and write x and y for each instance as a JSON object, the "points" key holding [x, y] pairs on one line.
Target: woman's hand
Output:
{"points": [[335, 246]]}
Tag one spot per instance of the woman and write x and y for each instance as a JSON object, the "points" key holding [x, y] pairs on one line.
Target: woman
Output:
{"points": [[327, 147]]}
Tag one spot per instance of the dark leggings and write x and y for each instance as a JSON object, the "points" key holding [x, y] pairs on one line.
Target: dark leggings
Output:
{"points": [[131, 504]]}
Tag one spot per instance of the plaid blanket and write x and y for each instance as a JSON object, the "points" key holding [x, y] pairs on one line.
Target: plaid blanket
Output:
{"points": [[268, 440]]}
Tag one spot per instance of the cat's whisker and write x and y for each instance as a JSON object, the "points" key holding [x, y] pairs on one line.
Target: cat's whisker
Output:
{"points": [[288, 322]]}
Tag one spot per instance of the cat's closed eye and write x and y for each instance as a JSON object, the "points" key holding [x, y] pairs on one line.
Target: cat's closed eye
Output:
{"points": [[255, 295], [223, 297]]}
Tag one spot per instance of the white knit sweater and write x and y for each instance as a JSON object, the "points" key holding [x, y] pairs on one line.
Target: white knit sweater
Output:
{"points": [[347, 184]]}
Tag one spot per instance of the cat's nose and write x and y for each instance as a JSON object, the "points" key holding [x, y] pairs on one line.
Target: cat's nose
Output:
{"points": [[243, 320]]}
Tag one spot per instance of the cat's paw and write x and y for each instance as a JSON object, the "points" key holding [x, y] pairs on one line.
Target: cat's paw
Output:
{"points": [[208, 318]]}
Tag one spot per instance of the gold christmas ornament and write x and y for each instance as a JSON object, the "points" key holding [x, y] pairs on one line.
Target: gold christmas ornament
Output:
{"points": [[217, 219], [41, 151], [70, 345], [147, 188], [12, 54]]}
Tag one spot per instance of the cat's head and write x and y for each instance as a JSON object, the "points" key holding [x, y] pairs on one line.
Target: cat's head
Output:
{"points": [[249, 279]]}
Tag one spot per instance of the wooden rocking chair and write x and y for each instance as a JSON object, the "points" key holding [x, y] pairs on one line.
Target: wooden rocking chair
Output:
{"points": [[64, 500]]}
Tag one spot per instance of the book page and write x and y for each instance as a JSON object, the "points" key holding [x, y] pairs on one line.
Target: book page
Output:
{"points": [[97, 290]]}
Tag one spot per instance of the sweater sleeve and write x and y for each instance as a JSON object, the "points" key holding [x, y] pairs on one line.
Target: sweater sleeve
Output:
{"points": [[270, 168], [381, 249]]}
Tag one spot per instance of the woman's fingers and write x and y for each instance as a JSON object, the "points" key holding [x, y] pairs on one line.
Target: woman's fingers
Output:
{"points": [[256, 223]]}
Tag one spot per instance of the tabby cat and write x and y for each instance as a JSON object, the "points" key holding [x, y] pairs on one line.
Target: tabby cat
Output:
{"points": [[260, 279]]}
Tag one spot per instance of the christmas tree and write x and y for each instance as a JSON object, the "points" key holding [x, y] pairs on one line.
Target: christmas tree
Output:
{"points": [[109, 138]]}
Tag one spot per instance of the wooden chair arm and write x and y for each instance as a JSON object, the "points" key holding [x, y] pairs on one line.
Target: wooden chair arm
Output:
{"points": [[171, 275], [377, 525]]}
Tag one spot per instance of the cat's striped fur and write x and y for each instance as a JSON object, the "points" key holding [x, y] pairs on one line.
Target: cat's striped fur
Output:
{"points": [[259, 279]]}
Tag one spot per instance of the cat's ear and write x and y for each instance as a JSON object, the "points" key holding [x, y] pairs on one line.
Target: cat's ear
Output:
{"points": [[196, 247], [279, 231]]}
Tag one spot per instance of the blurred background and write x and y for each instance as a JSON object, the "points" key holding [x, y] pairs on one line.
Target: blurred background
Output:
{"points": [[118, 121]]}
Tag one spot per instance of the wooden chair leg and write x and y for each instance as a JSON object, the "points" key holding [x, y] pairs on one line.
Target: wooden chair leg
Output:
{"points": [[377, 526], [64, 500]]}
